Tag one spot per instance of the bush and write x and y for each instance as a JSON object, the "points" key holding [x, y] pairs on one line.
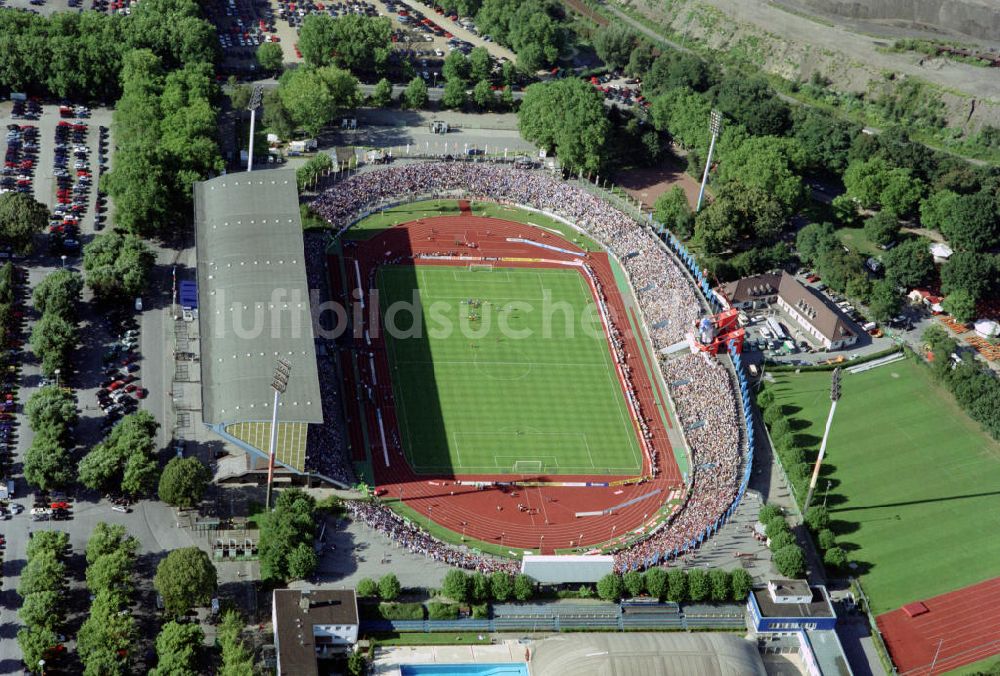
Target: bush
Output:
{"points": [[768, 512], [501, 585], [773, 414], [780, 428], [835, 557], [401, 611], [656, 582], [367, 588], [782, 539], [775, 526], [480, 588], [677, 586], [817, 518], [389, 587], [827, 539], [698, 588], [790, 561], [764, 399], [442, 611], [610, 587], [634, 584], [741, 584], [585, 592], [524, 587], [481, 611]]}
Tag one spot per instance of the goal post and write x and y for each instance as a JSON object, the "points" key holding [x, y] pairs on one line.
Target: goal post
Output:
{"points": [[480, 267], [527, 467]]}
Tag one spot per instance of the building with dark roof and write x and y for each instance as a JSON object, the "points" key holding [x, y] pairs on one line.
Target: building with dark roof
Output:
{"points": [[254, 309], [311, 625], [753, 292], [788, 606]]}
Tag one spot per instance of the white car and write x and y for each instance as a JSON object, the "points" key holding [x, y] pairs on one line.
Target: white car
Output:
{"points": [[119, 508], [439, 52]]}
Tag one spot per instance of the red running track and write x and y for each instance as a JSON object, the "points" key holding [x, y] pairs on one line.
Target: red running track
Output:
{"points": [[965, 623], [492, 514]]}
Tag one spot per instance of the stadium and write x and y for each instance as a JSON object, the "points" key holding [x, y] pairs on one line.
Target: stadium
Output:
{"points": [[520, 372]]}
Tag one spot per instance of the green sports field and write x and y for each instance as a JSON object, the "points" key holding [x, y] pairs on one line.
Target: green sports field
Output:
{"points": [[506, 389], [915, 483]]}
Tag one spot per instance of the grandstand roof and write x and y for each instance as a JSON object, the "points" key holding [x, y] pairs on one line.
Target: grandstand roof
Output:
{"points": [[633, 654], [253, 299], [558, 569]]}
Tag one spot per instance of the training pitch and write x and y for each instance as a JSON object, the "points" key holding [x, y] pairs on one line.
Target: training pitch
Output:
{"points": [[913, 480], [489, 386]]}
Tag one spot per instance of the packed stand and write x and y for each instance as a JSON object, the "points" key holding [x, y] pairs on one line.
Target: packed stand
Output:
{"points": [[417, 540]]}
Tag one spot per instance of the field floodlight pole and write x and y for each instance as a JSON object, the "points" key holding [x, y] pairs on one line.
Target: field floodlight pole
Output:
{"points": [[714, 126], [254, 104], [834, 398], [279, 384]]}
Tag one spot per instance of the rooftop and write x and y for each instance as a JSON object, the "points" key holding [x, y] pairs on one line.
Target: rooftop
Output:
{"points": [[829, 322], [297, 610], [819, 606], [253, 299], [752, 288]]}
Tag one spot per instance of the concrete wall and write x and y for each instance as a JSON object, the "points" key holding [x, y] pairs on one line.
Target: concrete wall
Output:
{"points": [[976, 18]]}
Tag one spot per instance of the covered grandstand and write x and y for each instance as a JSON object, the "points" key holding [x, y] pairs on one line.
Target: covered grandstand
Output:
{"points": [[253, 301]]}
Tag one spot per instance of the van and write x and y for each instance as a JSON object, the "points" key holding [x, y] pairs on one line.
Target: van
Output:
{"points": [[120, 508]]}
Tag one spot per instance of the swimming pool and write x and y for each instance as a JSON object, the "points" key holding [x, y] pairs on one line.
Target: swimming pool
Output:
{"points": [[508, 669]]}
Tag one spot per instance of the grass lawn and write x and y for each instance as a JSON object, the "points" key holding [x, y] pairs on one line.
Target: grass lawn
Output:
{"points": [[506, 213], [383, 220], [990, 665], [855, 240], [497, 384], [914, 481]]}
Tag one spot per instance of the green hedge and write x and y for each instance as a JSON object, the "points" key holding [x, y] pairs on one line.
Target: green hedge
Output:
{"points": [[401, 611], [442, 611], [777, 367]]}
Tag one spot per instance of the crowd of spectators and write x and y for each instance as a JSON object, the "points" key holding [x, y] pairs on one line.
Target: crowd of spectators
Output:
{"points": [[702, 389], [417, 540], [326, 445]]}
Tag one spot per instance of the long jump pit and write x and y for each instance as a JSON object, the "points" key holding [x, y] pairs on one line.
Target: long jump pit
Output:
{"points": [[502, 389]]}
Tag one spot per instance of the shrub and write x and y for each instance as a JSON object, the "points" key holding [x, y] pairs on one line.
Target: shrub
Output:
{"points": [[456, 586], [442, 611], [780, 428], [656, 582], [698, 588], [524, 587], [773, 414], [401, 611], [790, 561], [610, 587], [677, 587], [782, 539], [827, 539], [585, 592], [389, 587], [835, 557], [741, 584], [481, 611], [768, 512], [367, 588], [634, 584], [817, 518], [775, 526], [765, 398]]}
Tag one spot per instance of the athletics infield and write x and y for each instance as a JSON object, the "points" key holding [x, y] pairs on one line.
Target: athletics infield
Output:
{"points": [[547, 445]]}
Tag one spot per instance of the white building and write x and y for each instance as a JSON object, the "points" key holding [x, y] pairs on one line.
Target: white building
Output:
{"points": [[310, 625]]}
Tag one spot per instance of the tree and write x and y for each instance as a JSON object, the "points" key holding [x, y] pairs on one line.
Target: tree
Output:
{"points": [[21, 218], [741, 583], [530, 27], [566, 116], [316, 37], [814, 240], [183, 482], [781, 539], [302, 562], [959, 304], [482, 95], [634, 583], [769, 163], [901, 193], [357, 665], [117, 266], [44, 572], [613, 45], [382, 94], [753, 104], [817, 518], [739, 213], [677, 591], [698, 587], [271, 57], [835, 557], [768, 512], [673, 210], [524, 587], [790, 561], [59, 293], [108, 538], [719, 582], [882, 228], [610, 587], [480, 64], [47, 463], [825, 140], [480, 588], [237, 659], [124, 460], [909, 265], [937, 208], [501, 585], [389, 587], [277, 119], [52, 340], [107, 636], [177, 647], [973, 224], [456, 67], [454, 93], [359, 43], [415, 94], [367, 588], [45, 609], [185, 578], [656, 582], [640, 59], [112, 571], [876, 183], [239, 94], [51, 408], [972, 272], [456, 586], [826, 539], [314, 96], [35, 643]]}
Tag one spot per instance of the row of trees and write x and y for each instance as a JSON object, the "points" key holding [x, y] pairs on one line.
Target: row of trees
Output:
{"points": [[787, 556], [480, 588], [54, 336], [677, 585], [387, 588], [790, 452], [108, 636], [43, 592], [125, 460], [52, 415], [974, 386], [286, 537]]}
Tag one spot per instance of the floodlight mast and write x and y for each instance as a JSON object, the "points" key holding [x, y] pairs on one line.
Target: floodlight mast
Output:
{"points": [[252, 107], [834, 398], [279, 383], [714, 126]]}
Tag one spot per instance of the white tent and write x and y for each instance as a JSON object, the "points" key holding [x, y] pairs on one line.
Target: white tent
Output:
{"points": [[987, 328], [940, 251]]}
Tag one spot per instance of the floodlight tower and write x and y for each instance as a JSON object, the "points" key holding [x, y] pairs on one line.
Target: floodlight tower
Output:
{"points": [[279, 383], [714, 126], [252, 107], [834, 397]]}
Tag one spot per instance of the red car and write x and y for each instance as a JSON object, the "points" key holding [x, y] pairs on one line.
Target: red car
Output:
{"points": [[141, 393], [115, 385], [59, 505]]}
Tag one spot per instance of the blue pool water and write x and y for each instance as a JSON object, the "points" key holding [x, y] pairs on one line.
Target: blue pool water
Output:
{"points": [[510, 669]]}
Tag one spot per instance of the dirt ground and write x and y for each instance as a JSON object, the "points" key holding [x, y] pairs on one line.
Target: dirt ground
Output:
{"points": [[647, 184]]}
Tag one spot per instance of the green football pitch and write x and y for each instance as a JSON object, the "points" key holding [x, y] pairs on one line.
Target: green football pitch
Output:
{"points": [[489, 386], [915, 483]]}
